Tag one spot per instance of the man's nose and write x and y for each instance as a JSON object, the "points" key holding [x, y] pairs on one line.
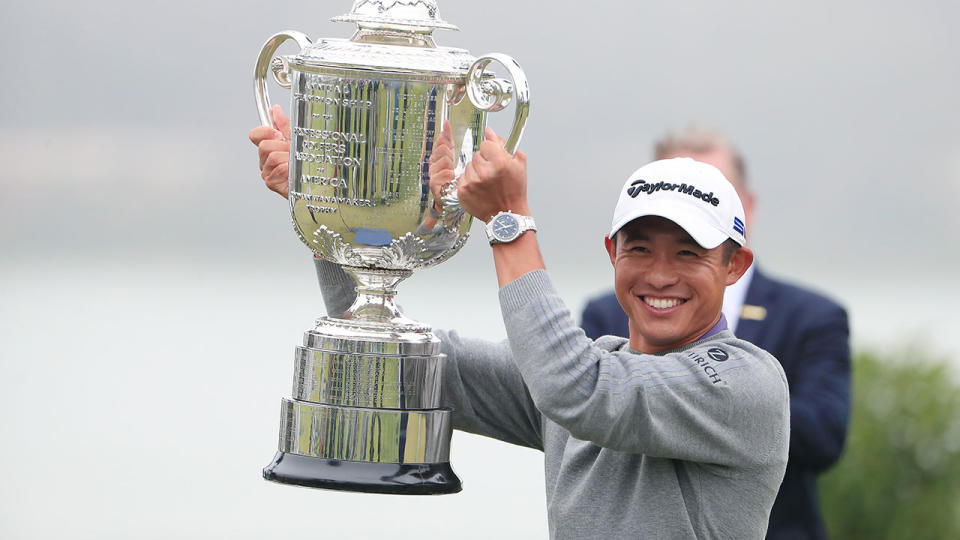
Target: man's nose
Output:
{"points": [[662, 273]]}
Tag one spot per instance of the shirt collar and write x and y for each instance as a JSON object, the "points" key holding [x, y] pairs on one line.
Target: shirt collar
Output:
{"points": [[735, 296], [717, 328]]}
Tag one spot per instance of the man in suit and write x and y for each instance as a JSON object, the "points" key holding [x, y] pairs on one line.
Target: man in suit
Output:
{"points": [[806, 332]]}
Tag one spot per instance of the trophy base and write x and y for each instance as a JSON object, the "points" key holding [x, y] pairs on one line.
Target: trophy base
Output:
{"points": [[362, 477]]}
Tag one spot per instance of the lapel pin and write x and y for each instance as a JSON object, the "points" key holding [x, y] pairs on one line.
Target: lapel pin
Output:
{"points": [[753, 313]]}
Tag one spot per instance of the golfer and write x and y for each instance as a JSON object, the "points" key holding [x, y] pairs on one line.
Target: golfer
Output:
{"points": [[680, 431]]}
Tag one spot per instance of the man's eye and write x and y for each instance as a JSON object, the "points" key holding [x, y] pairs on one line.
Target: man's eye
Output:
{"points": [[638, 249], [688, 253]]}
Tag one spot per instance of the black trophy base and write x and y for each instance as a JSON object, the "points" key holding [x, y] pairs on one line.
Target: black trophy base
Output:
{"points": [[362, 477]]}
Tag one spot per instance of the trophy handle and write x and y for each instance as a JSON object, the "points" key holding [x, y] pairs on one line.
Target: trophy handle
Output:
{"points": [[279, 67], [493, 95]]}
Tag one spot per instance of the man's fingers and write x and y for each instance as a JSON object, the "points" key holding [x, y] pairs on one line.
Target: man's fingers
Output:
{"points": [[280, 121], [275, 160], [469, 173], [442, 147], [441, 163], [279, 186], [440, 153], [277, 179], [491, 135], [437, 182], [480, 160], [492, 149], [269, 147], [440, 178], [257, 134], [277, 174], [263, 133], [446, 134], [521, 157]]}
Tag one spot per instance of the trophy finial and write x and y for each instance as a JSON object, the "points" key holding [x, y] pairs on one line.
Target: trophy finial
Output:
{"points": [[422, 16]]}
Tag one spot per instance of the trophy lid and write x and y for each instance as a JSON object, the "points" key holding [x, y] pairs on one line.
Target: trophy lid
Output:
{"points": [[394, 37], [413, 15]]}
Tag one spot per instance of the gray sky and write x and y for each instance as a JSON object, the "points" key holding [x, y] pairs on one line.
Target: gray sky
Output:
{"points": [[845, 110]]}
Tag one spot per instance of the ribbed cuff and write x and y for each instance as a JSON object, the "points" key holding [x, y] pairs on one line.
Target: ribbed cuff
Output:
{"points": [[330, 274], [532, 286]]}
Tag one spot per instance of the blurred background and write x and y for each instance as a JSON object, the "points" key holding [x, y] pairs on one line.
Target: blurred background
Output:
{"points": [[152, 290]]}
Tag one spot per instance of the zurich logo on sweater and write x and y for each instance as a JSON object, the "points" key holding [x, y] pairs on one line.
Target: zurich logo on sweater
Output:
{"points": [[718, 355]]}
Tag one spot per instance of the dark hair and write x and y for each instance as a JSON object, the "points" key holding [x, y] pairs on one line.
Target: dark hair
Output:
{"points": [[730, 248]]}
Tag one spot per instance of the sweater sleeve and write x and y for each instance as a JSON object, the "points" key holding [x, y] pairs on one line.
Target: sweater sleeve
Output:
{"points": [[483, 386], [681, 405]]}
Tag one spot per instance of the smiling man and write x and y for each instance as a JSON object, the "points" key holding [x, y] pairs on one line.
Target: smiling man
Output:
{"points": [[807, 332], [680, 431]]}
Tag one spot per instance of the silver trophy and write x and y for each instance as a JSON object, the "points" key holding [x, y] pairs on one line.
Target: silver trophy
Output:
{"points": [[365, 413]]}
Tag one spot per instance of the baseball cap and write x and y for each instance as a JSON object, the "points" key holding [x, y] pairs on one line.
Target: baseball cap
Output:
{"points": [[694, 195]]}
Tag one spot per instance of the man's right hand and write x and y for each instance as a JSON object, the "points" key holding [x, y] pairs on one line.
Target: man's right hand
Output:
{"points": [[442, 162], [273, 145]]}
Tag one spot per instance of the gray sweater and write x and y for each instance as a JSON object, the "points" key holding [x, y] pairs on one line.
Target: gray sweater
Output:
{"points": [[689, 443]]}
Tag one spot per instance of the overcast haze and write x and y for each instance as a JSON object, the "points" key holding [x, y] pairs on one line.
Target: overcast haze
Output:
{"points": [[153, 289]]}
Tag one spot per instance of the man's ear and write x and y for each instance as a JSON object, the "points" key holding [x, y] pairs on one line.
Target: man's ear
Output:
{"points": [[738, 265], [611, 245]]}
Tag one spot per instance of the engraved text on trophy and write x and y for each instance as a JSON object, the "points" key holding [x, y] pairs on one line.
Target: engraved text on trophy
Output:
{"points": [[361, 146]]}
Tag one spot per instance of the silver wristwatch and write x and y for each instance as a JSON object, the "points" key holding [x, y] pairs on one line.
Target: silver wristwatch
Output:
{"points": [[506, 227]]}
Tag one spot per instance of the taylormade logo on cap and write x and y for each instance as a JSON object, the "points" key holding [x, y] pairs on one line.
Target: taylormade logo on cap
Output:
{"points": [[694, 195], [641, 186]]}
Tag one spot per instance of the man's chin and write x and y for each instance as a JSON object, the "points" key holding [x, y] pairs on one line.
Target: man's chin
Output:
{"points": [[659, 335]]}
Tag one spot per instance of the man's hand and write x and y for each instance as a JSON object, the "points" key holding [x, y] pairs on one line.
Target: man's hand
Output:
{"points": [[495, 181], [273, 144], [442, 163]]}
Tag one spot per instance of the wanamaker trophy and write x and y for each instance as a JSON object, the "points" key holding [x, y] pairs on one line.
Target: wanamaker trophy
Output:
{"points": [[365, 413]]}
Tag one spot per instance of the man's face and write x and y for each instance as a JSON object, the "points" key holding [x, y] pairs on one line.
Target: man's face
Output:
{"points": [[720, 158], [670, 287]]}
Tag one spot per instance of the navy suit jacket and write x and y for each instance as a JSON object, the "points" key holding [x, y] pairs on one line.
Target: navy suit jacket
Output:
{"points": [[809, 335]]}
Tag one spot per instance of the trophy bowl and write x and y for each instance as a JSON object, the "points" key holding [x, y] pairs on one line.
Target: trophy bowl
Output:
{"points": [[364, 116]]}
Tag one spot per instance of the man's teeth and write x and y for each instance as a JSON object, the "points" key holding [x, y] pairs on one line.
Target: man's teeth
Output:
{"points": [[662, 303]]}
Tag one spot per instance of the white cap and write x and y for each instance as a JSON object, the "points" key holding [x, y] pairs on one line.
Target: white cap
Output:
{"points": [[694, 195]]}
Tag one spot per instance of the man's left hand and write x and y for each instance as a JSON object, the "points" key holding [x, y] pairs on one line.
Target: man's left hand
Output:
{"points": [[494, 181]]}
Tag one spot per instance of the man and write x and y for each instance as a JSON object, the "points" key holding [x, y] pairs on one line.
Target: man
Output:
{"points": [[806, 332], [679, 431]]}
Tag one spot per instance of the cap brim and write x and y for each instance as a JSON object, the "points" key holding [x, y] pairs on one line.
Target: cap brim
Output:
{"points": [[702, 233]]}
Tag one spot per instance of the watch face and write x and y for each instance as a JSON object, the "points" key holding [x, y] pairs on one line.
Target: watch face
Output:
{"points": [[505, 227]]}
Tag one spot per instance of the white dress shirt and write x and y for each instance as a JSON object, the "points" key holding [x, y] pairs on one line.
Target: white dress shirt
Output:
{"points": [[734, 297]]}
